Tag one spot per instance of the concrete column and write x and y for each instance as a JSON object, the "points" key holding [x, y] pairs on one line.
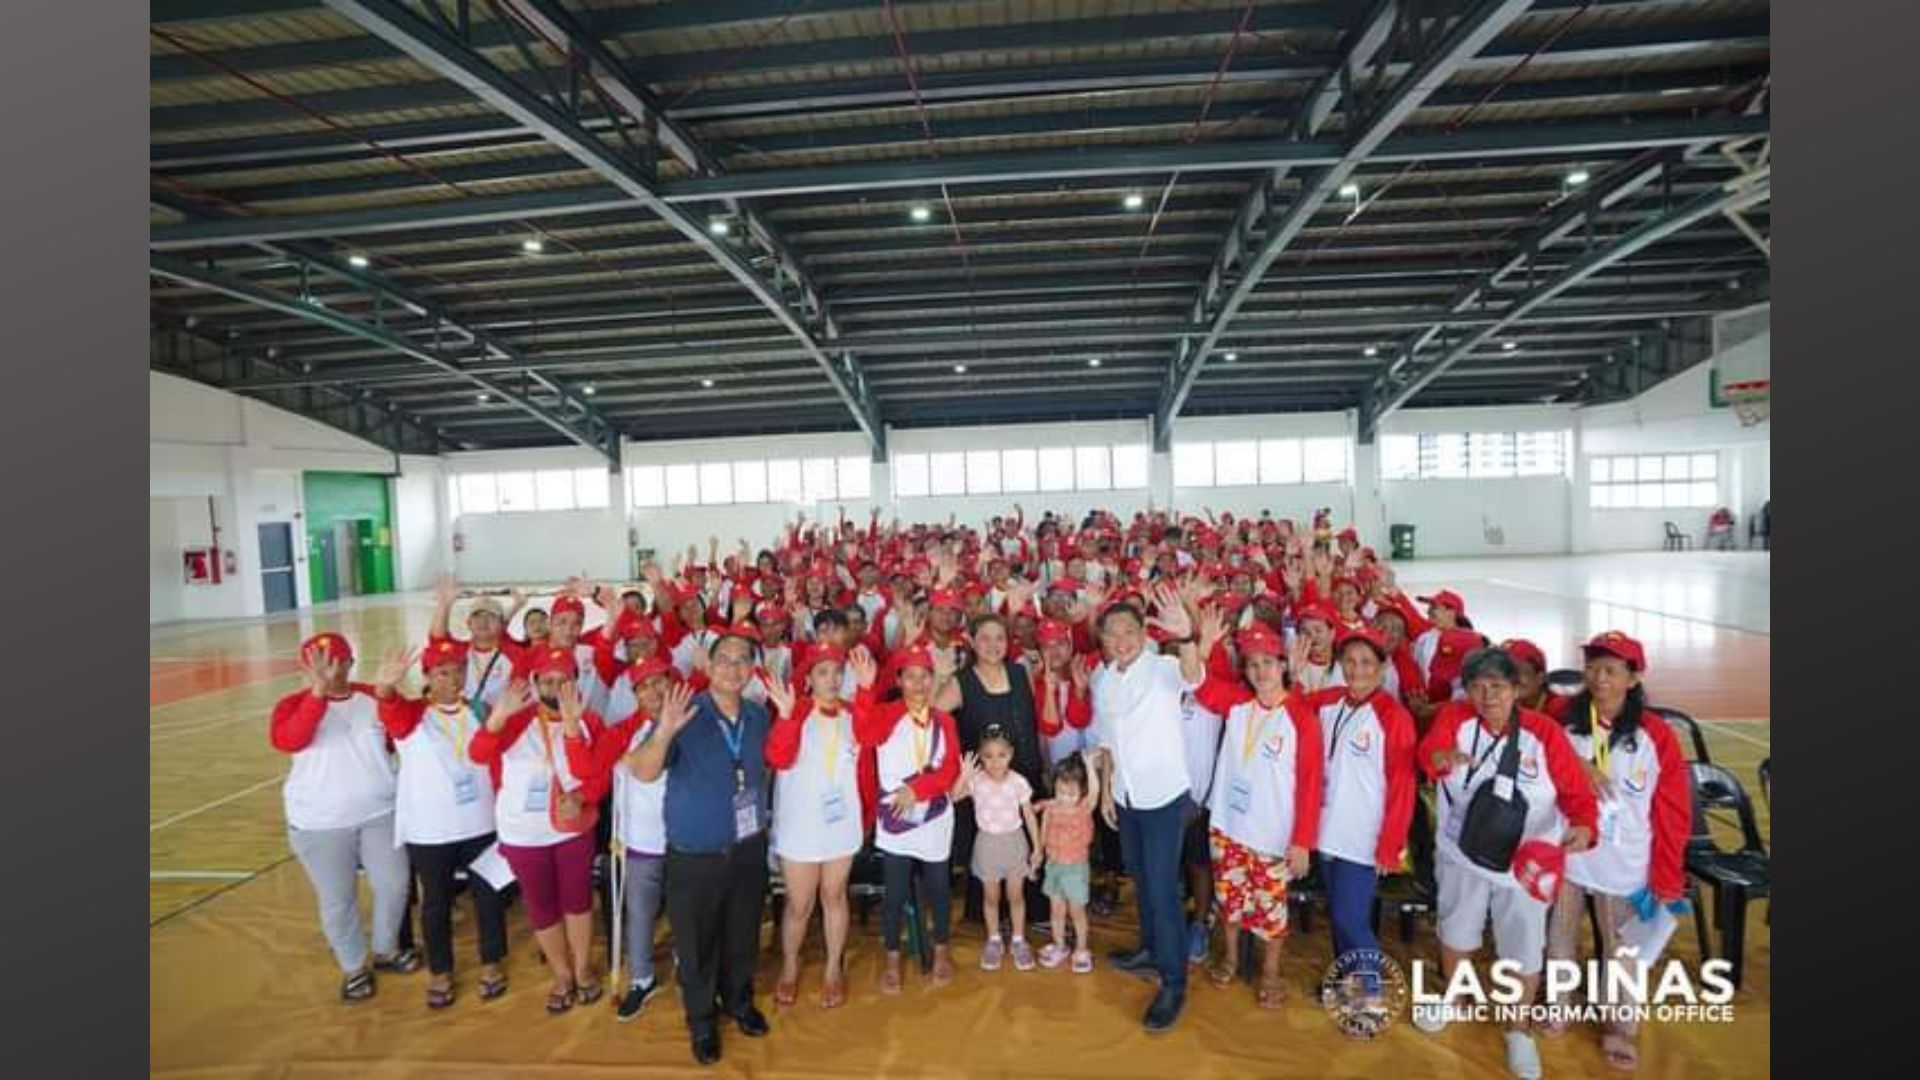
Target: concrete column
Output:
{"points": [[1369, 513], [1160, 481]]}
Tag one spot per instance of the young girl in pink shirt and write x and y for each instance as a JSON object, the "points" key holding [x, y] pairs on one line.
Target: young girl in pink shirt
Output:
{"points": [[1007, 849]]}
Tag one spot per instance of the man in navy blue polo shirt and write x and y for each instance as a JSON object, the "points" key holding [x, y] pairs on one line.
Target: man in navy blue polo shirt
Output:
{"points": [[716, 809]]}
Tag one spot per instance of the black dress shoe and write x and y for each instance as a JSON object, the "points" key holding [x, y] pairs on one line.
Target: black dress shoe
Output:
{"points": [[1164, 1010], [706, 1047], [752, 1023], [1130, 960]]}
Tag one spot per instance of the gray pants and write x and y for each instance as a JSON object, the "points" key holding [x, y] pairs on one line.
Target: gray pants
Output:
{"points": [[332, 859], [644, 891]]}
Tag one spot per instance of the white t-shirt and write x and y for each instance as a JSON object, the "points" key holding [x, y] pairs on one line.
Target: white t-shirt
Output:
{"points": [[1200, 735], [443, 795], [1455, 790], [1354, 804], [901, 756], [1622, 854], [1071, 739], [344, 777], [496, 666], [522, 816], [1137, 717], [816, 802], [1253, 779], [640, 807]]}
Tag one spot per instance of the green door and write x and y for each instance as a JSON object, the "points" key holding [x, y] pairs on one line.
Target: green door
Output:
{"points": [[374, 550], [357, 505]]}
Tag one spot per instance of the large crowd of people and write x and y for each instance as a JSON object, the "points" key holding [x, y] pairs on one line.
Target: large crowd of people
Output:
{"points": [[1213, 707]]}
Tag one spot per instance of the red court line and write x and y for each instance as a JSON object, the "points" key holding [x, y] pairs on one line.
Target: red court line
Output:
{"points": [[176, 680]]}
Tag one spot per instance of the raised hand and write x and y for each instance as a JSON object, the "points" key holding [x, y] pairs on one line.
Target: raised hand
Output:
{"points": [[698, 655], [608, 600], [1297, 654], [910, 625], [780, 695], [864, 668], [516, 697], [393, 667], [1213, 629], [742, 607], [1094, 595], [445, 589], [676, 710], [572, 707], [945, 663], [322, 669], [1171, 614]]}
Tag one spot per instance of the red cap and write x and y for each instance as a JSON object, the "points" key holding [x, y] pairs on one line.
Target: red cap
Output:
{"points": [[442, 651], [1527, 652], [771, 612], [907, 658], [1540, 865], [1053, 630], [1319, 611], [1345, 580], [633, 625], [330, 643], [1258, 640], [822, 654], [744, 630], [564, 604], [1064, 584], [946, 598], [556, 661], [1615, 643], [1446, 598], [1367, 634], [648, 668], [1348, 533]]}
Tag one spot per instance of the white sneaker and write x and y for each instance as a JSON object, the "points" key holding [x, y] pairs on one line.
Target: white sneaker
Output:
{"points": [[1431, 1019], [1523, 1057]]}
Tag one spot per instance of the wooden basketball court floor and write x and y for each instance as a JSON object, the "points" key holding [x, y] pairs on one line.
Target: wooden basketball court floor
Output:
{"points": [[242, 984]]}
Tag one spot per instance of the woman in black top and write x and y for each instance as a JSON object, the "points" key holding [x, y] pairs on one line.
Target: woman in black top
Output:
{"points": [[992, 691]]}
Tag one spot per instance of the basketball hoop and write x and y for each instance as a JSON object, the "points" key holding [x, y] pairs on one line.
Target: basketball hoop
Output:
{"points": [[1751, 400]]}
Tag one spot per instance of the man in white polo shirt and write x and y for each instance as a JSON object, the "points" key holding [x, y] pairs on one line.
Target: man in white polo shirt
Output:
{"points": [[1142, 761]]}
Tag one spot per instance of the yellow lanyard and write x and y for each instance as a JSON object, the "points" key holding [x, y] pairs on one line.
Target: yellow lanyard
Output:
{"points": [[457, 736], [833, 742], [1601, 738], [1256, 726], [546, 743], [922, 735]]}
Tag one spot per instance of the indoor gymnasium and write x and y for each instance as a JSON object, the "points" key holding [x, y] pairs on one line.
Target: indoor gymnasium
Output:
{"points": [[1017, 538]]}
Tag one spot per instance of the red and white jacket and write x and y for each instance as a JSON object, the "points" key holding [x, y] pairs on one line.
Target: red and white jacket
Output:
{"points": [[1269, 777], [442, 796], [1644, 823], [1369, 778], [1559, 794], [523, 765], [883, 727], [342, 774], [1065, 735]]}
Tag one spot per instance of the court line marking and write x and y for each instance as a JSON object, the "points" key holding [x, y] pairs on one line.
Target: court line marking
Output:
{"points": [[219, 802], [221, 891], [199, 875], [219, 690], [167, 732], [1722, 726], [1509, 584]]}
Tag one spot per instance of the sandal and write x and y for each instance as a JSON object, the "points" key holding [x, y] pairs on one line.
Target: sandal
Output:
{"points": [[439, 997], [559, 1001], [357, 986], [588, 993], [1622, 1051], [492, 986], [404, 962], [1273, 993], [1221, 974], [833, 994]]}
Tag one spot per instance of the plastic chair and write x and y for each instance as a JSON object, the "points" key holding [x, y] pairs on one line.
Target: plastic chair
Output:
{"points": [[1735, 877], [1688, 726], [1677, 540], [1766, 780], [1566, 682]]}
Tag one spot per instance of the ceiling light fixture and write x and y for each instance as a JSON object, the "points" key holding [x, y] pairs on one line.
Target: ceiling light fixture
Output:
{"points": [[533, 245], [719, 227], [707, 383], [920, 212], [1349, 191], [1095, 362], [482, 398], [358, 261], [1134, 200], [959, 369], [1509, 346], [1578, 177], [1232, 356], [1371, 351], [587, 390]]}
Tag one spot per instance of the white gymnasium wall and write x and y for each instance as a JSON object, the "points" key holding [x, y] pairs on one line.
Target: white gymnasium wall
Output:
{"points": [[1519, 516], [1674, 416], [249, 457], [420, 544], [537, 546], [978, 509], [1297, 501]]}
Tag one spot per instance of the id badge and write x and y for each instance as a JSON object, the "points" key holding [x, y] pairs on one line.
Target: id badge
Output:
{"points": [[466, 789], [746, 814], [833, 807], [1609, 822], [536, 798], [1240, 796]]}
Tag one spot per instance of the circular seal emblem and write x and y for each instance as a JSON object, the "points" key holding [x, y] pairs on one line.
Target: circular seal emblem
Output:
{"points": [[1363, 992]]}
